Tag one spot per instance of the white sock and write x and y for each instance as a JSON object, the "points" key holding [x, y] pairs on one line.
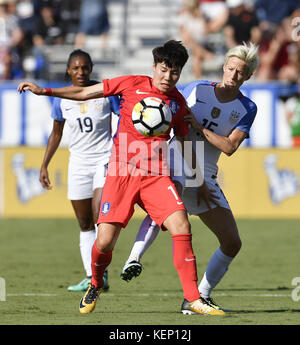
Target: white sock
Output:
{"points": [[86, 242], [216, 268], [146, 235], [96, 230]]}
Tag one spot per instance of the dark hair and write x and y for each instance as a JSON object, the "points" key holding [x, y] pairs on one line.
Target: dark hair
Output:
{"points": [[172, 53], [76, 53]]}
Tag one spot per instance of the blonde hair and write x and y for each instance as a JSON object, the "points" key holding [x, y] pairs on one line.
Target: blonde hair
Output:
{"points": [[249, 54]]}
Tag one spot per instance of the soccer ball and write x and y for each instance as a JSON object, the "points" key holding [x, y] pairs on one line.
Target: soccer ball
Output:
{"points": [[151, 116]]}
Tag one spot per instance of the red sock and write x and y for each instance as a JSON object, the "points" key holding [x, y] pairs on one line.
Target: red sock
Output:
{"points": [[100, 260], [185, 263]]}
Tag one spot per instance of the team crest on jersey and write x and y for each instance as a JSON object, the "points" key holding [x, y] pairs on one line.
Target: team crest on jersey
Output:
{"points": [[215, 113], [173, 107], [234, 116], [105, 208], [83, 108]]}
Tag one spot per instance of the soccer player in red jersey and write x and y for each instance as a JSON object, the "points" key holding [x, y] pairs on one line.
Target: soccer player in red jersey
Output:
{"points": [[133, 178]]}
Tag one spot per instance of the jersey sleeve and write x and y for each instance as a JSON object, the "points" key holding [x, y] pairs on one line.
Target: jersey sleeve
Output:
{"points": [[246, 122], [187, 90], [56, 113], [116, 86], [114, 104]]}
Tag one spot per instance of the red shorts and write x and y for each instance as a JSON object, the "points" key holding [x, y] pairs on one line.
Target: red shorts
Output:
{"points": [[128, 186]]}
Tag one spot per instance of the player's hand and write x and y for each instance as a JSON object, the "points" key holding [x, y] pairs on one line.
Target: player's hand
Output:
{"points": [[24, 86], [207, 196], [44, 179]]}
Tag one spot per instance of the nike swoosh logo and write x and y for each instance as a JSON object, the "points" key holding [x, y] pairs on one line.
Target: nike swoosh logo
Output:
{"points": [[141, 92], [67, 109], [179, 202], [199, 101], [99, 264], [186, 259], [81, 305]]}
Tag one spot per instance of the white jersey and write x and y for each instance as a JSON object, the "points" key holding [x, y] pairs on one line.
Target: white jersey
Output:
{"points": [[89, 125], [220, 118]]}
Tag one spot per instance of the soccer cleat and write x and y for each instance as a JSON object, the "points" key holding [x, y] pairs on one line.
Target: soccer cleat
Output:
{"points": [[82, 286], [212, 303], [199, 306], [105, 286], [130, 270], [88, 301]]}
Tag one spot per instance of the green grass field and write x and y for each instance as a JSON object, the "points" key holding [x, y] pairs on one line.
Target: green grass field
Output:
{"points": [[40, 258]]}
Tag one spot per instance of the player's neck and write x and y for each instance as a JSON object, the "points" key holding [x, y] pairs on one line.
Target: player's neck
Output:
{"points": [[225, 94]]}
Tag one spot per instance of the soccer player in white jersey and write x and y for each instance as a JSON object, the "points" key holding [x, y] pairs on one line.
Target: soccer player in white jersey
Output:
{"points": [[90, 143], [221, 117]]}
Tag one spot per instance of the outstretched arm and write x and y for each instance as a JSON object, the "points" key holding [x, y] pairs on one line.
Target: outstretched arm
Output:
{"points": [[77, 93]]}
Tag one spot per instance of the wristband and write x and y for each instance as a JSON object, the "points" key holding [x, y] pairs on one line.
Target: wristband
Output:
{"points": [[48, 91]]}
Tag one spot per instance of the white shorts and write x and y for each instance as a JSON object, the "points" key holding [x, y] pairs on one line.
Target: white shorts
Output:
{"points": [[189, 195], [84, 179]]}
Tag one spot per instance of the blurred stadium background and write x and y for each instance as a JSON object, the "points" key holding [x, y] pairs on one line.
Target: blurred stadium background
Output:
{"points": [[36, 37]]}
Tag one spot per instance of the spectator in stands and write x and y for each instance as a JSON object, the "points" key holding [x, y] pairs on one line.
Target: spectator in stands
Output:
{"points": [[70, 13], [26, 14], [11, 36], [48, 30], [276, 48], [242, 25], [216, 12], [291, 70], [272, 12], [93, 21], [193, 29], [274, 56]]}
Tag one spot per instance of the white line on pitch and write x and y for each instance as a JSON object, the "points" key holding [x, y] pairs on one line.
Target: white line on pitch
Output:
{"points": [[32, 294], [151, 295]]}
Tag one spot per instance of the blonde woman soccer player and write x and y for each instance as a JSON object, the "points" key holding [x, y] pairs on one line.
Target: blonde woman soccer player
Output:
{"points": [[90, 144], [221, 117]]}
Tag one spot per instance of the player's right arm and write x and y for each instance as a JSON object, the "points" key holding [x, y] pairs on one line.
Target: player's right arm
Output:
{"points": [[53, 143], [77, 93]]}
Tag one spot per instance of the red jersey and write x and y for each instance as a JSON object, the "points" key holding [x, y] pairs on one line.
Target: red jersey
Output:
{"points": [[146, 153]]}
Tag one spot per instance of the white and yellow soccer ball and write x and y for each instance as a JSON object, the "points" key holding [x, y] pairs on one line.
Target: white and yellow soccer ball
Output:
{"points": [[151, 116]]}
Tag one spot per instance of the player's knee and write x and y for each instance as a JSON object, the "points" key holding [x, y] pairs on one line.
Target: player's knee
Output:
{"points": [[86, 224], [182, 227], [104, 245], [232, 247], [236, 246]]}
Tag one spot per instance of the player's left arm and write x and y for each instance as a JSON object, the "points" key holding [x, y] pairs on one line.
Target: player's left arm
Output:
{"points": [[228, 144]]}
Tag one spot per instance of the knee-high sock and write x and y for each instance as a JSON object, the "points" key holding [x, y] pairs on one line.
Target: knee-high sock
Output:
{"points": [[86, 242], [100, 261], [185, 262], [216, 268], [146, 235]]}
